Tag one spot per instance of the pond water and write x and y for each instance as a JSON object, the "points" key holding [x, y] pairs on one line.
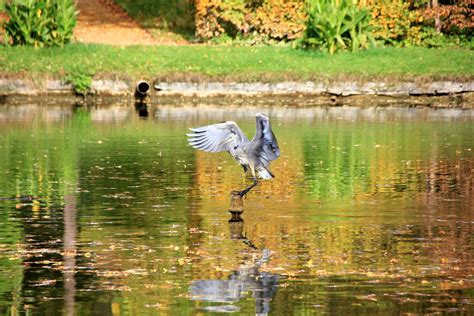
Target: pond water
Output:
{"points": [[107, 212]]}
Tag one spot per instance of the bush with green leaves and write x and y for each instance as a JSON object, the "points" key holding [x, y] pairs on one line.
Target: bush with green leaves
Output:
{"points": [[334, 25], [40, 23], [80, 78]]}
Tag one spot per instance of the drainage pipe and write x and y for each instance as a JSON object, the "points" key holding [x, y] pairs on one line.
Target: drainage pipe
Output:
{"points": [[142, 88]]}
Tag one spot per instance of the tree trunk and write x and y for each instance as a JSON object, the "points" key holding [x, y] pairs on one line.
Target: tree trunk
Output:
{"points": [[435, 6]]}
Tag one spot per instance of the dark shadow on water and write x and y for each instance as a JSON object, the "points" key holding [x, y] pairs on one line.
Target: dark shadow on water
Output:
{"points": [[3, 100], [142, 109]]}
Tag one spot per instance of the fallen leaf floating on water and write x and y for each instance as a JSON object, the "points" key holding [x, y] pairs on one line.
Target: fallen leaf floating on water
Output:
{"points": [[370, 297], [45, 283], [157, 305]]}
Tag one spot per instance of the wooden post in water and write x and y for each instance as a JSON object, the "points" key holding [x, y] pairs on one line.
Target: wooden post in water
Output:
{"points": [[236, 205]]}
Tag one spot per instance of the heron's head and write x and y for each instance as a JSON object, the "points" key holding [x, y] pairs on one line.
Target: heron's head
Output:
{"points": [[262, 116]]}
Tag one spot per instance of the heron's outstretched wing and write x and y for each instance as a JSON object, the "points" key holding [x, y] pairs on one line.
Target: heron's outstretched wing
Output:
{"points": [[264, 145], [226, 136]]}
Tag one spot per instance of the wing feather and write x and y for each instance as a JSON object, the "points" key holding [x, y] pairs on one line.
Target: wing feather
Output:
{"points": [[224, 136], [264, 145]]}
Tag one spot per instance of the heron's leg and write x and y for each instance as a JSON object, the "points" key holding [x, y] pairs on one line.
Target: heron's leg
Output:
{"points": [[254, 184]]}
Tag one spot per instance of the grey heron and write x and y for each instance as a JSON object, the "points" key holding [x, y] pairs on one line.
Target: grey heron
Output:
{"points": [[254, 155]]}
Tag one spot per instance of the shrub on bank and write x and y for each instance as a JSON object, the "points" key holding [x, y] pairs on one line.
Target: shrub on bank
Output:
{"points": [[314, 23], [40, 23], [400, 23], [394, 23], [334, 25], [455, 18], [256, 20]]}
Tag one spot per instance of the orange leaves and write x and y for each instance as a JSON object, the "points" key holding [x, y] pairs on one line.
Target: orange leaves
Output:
{"points": [[265, 19], [280, 20], [455, 18], [392, 21], [398, 21], [216, 17]]}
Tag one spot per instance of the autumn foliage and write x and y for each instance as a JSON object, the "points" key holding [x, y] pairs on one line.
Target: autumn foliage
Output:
{"points": [[394, 22], [454, 19], [400, 22], [260, 19]]}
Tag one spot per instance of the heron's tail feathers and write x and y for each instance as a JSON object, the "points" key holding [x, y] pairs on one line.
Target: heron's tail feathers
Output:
{"points": [[265, 174]]}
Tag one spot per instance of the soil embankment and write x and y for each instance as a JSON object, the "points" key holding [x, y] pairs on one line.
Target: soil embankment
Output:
{"points": [[439, 94]]}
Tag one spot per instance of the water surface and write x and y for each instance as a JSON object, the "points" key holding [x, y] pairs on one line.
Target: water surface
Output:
{"points": [[109, 213]]}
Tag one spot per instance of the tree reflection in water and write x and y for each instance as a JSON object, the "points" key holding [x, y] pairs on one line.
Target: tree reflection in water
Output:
{"points": [[69, 257]]}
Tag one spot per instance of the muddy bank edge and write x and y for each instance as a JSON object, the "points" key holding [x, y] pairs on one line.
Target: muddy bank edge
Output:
{"points": [[437, 93]]}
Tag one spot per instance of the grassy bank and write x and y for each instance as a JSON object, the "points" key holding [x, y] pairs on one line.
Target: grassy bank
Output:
{"points": [[247, 64]]}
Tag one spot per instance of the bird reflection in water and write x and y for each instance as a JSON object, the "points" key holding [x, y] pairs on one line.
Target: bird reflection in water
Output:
{"points": [[246, 278]]}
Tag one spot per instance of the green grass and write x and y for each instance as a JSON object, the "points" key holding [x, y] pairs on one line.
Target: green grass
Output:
{"points": [[163, 18], [245, 64]]}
